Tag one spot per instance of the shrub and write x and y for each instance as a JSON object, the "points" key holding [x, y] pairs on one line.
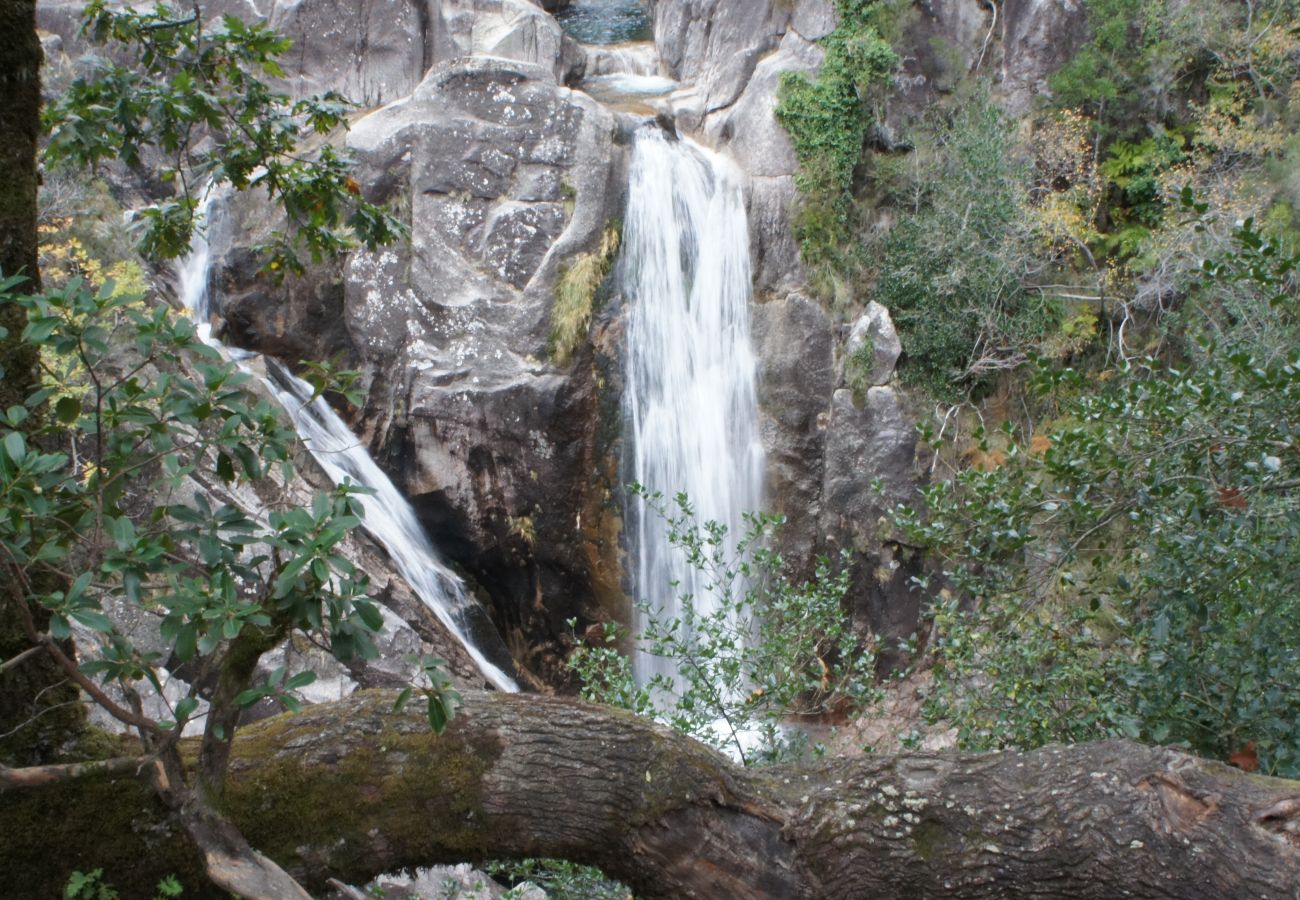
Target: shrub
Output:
{"points": [[827, 119], [1133, 574], [575, 296], [954, 271]]}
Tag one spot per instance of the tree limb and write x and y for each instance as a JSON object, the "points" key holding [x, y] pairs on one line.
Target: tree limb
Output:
{"points": [[40, 776], [350, 789]]}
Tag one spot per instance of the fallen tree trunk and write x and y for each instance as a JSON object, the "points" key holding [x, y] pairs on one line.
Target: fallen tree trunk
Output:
{"points": [[350, 789]]}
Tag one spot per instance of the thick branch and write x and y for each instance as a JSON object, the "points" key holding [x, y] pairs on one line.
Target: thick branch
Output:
{"points": [[349, 789]]}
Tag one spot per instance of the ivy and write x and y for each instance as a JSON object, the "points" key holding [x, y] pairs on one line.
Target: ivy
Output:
{"points": [[827, 120]]}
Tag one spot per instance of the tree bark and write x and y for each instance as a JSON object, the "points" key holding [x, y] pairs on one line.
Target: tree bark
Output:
{"points": [[39, 709], [350, 789]]}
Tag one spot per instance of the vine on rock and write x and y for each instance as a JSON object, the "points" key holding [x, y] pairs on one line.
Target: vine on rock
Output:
{"points": [[827, 119]]}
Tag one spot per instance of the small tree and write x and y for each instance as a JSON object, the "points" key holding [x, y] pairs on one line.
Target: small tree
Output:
{"points": [[109, 457]]}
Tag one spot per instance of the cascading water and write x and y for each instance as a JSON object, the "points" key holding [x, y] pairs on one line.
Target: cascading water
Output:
{"points": [[690, 394], [389, 518]]}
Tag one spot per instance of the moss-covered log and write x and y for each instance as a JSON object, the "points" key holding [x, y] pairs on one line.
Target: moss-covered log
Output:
{"points": [[351, 789]]}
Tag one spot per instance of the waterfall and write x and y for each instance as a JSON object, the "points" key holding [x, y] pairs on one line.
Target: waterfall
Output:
{"points": [[389, 518], [690, 393]]}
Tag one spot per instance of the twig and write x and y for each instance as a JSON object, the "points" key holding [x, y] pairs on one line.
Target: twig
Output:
{"points": [[40, 776], [989, 36], [13, 661]]}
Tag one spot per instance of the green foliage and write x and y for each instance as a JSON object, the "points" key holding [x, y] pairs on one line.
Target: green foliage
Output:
{"points": [[1134, 574], [92, 886], [827, 119], [187, 84], [441, 699], [560, 879], [1128, 76], [759, 651], [954, 271], [139, 407], [1134, 171]]}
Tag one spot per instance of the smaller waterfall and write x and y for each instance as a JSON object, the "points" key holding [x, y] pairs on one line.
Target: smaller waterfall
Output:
{"points": [[389, 518], [622, 59], [690, 396]]}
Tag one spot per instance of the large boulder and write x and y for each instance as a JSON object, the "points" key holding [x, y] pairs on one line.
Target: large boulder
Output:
{"points": [[716, 44], [511, 29], [503, 176], [507, 176]]}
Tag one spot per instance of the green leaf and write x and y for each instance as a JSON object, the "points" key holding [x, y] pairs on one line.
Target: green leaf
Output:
{"points": [[370, 615], [249, 697], [440, 714], [68, 409], [225, 467], [92, 619], [14, 446], [302, 679], [79, 585], [185, 706], [122, 530], [186, 642]]}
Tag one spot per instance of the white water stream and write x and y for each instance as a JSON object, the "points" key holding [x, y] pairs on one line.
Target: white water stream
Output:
{"points": [[389, 518], [690, 393]]}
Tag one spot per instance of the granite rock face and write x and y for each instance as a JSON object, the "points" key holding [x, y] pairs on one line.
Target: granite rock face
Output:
{"points": [[503, 176], [795, 345], [1038, 37], [870, 468]]}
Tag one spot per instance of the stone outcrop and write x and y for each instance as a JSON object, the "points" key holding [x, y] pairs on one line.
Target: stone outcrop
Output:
{"points": [[508, 176], [503, 175], [795, 345]]}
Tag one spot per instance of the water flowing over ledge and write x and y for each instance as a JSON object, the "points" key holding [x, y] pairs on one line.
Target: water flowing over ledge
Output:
{"points": [[690, 396], [389, 518]]}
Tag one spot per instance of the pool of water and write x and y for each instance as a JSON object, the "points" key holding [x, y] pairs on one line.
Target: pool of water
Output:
{"points": [[606, 21]]}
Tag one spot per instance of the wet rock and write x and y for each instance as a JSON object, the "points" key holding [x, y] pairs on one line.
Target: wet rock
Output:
{"points": [[506, 176]]}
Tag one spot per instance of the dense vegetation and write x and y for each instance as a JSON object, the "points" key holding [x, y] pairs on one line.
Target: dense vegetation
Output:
{"points": [[128, 424], [1104, 301]]}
